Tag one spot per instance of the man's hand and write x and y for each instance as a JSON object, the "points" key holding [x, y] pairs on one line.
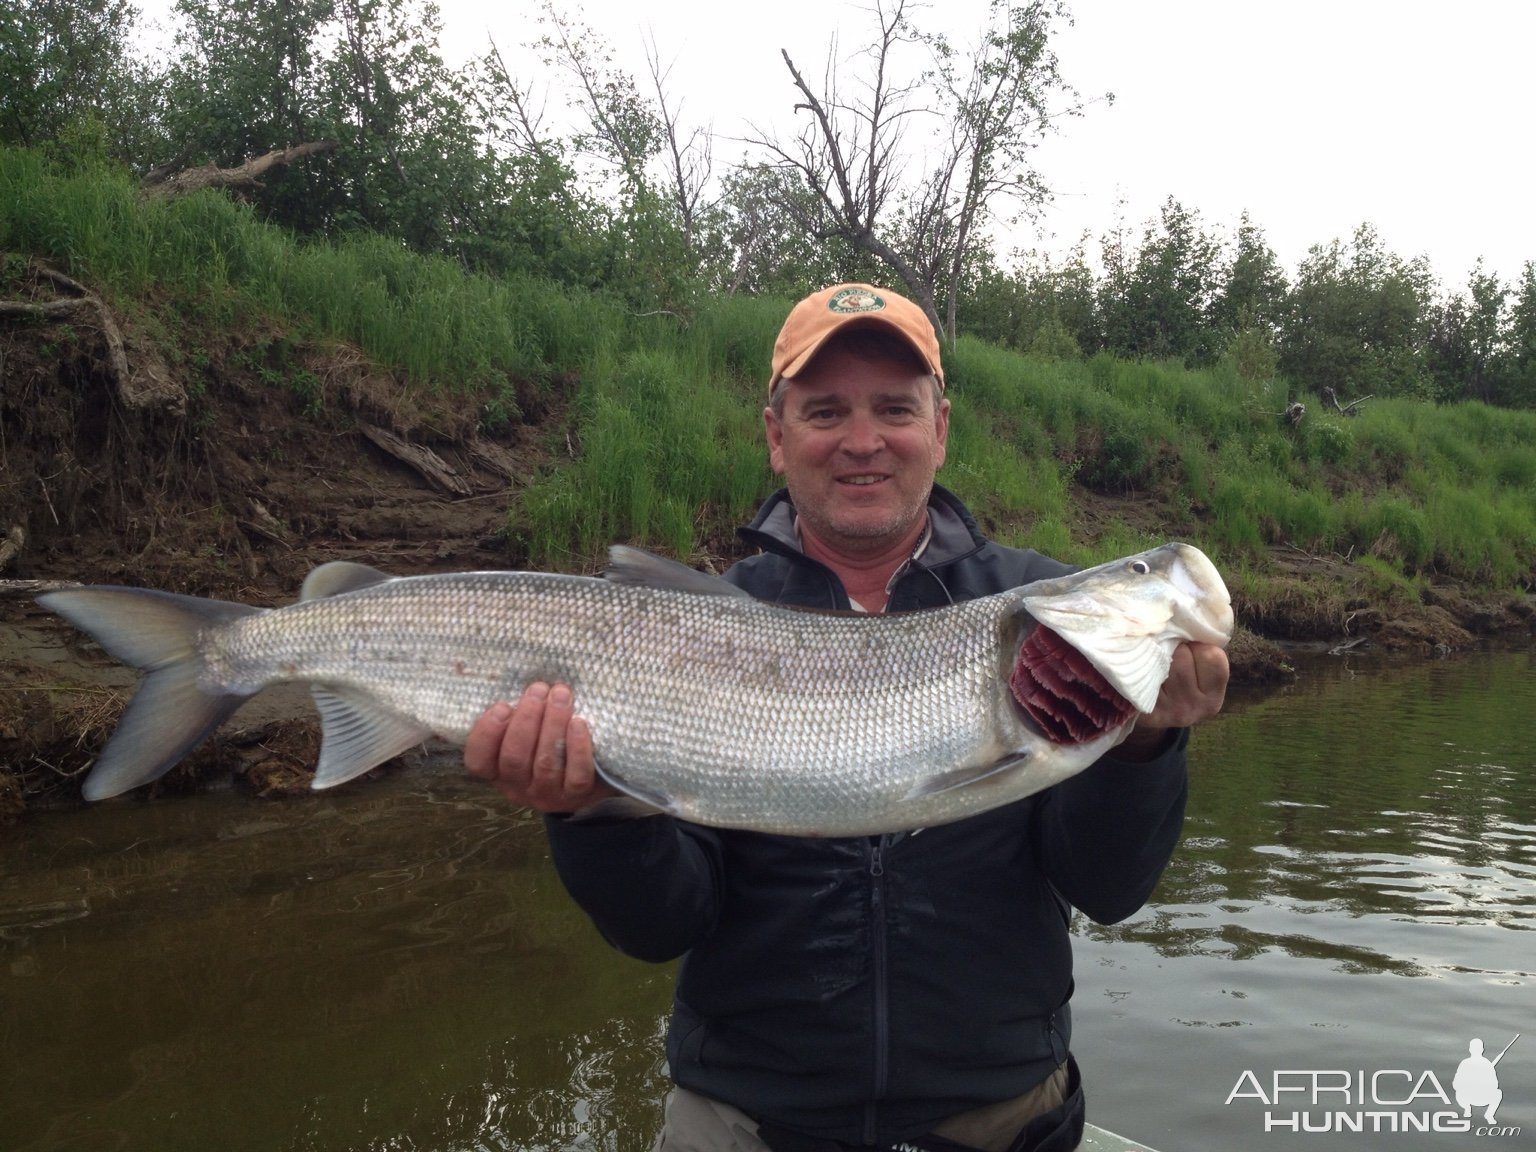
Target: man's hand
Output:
{"points": [[1194, 691], [538, 753]]}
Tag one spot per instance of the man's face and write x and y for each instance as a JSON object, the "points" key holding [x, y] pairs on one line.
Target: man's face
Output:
{"points": [[858, 446]]}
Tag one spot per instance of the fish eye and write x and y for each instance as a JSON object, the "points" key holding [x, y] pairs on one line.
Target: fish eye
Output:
{"points": [[1140, 567]]}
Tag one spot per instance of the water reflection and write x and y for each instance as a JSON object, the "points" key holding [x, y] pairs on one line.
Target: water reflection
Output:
{"points": [[1368, 797], [394, 966], [1364, 843]]}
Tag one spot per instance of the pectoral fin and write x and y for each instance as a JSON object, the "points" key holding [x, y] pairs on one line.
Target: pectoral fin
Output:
{"points": [[965, 777], [636, 801], [615, 808]]}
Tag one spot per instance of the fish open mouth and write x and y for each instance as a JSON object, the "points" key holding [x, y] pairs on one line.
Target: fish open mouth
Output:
{"points": [[1067, 697]]}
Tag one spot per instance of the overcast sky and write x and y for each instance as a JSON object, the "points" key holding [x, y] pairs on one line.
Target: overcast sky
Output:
{"points": [[1313, 115]]}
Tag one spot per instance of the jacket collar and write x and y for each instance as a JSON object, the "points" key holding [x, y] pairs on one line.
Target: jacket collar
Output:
{"points": [[954, 531]]}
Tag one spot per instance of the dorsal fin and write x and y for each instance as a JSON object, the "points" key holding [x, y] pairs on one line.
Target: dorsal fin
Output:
{"points": [[647, 570], [340, 576]]}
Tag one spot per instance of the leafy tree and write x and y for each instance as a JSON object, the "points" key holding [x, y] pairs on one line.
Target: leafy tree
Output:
{"points": [[1113, 290], [532, 213], [1159, 304], [1249, 306], [1252, 285], [67, 63], [1073, 299], [412, 162], [1040, 307], [624, 131], [1521, 340], [246, 80], [763, 210], [664, 236], [1466, 341], [1357, 320]]}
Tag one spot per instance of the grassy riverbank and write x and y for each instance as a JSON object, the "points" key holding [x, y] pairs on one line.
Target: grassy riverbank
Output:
{"points": [[193, 400], [661, 410]]}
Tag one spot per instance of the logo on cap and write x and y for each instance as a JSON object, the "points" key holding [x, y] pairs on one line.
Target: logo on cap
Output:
{"points": [[851, 300]]}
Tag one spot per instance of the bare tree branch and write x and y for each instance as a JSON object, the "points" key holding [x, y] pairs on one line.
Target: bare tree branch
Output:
{"points": [[690, 162], [994, 104], [527, 135]]}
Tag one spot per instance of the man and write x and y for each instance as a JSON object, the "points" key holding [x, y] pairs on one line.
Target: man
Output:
{"points": [[900, 991]]}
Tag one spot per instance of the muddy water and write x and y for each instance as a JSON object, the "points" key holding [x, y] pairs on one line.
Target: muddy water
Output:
{"points": [[394, 966]]}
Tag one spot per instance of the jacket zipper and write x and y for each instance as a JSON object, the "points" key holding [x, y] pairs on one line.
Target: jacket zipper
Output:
{"points": [[877, 847]]}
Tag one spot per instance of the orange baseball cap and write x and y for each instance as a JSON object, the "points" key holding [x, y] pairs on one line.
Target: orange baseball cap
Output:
{"points": [[812, 321]]}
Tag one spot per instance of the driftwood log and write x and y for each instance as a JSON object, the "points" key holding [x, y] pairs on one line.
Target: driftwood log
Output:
{"points": [[27, 589], [1350, 409], [247, 175], [493, 456], [437, 471], [11, 545]]}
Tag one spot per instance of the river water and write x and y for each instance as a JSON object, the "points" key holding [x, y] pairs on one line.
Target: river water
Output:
{"points": [[394, 966]]}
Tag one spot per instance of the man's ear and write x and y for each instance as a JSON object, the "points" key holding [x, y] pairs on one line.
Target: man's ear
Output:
{"points": [[775, 433], [941, 429]]}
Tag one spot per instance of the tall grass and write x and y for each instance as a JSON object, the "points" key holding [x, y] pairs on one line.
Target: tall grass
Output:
{"points": [[665, 426], [671, 454], [424, 316]]}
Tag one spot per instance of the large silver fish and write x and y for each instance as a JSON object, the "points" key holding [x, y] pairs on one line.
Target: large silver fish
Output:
{"points": [[702, 701]]}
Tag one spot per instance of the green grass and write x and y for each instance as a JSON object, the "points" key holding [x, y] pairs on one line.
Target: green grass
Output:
{"points": [[665, 432]]}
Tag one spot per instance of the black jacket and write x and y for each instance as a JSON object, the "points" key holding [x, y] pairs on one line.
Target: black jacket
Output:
{"points": [[865, 988]]}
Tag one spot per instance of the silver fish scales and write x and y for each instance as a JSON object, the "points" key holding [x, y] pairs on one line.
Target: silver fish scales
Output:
{"points": [[703, 702]]}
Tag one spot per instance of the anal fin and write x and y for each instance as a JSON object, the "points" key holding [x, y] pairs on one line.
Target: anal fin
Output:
{"points": [[356, 734]]}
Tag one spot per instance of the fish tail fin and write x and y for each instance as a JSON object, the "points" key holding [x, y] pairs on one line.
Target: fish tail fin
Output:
{"points": [[170, 713]]}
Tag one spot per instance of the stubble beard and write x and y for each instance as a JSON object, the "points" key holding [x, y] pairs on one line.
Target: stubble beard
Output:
{"points": [[856, 533]]}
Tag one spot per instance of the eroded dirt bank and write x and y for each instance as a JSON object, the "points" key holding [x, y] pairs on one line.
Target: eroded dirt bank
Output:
{"points": [[235, 475]]}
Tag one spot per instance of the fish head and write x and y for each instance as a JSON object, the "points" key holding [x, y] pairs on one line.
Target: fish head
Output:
{"points": [[1128, 616]]}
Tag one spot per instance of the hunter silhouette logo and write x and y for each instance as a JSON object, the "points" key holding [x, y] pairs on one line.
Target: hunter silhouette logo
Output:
{"points": [[1344, 1101], [1477, 1083]]}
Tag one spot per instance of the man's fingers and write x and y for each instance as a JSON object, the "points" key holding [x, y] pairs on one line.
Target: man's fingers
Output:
{"points": [[1195, 689], [538, 752], [580, 772], [519, 743], [483, 747], [549, 759], [1212, 669], [1201, 685]]}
